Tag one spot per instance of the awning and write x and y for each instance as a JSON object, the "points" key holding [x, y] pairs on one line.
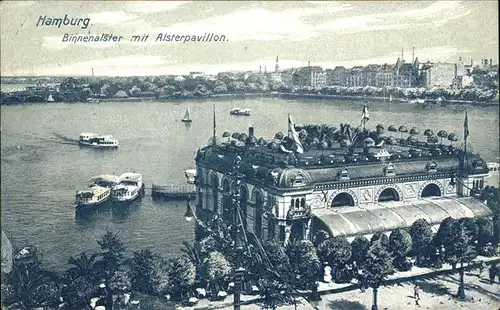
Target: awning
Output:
{"points": [[352, 221]]}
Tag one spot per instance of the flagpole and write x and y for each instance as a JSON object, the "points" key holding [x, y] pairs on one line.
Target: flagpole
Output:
{"points": [[288, 126], [214, 133], [466, 134]]}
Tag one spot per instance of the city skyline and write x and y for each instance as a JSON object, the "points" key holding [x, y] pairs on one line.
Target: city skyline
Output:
{"points": [[327, 34]]}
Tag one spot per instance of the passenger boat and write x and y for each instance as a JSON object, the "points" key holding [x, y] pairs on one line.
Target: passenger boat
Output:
{"points": [[105, 180], [129, 187], [92, 196], [26, 255], [190, 175], [239, 111], [493, 177], [97, 140], [187, 117], [85, 138], [103, 141]]}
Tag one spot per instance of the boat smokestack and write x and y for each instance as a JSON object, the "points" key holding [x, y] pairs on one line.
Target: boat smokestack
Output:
{"points": [[250, 131]]}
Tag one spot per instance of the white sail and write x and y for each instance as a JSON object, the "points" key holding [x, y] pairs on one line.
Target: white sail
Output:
{"points": [[50, 99], [187, 116]]}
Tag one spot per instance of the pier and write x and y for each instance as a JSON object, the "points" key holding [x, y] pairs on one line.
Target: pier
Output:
{"points": [[173, 192]]}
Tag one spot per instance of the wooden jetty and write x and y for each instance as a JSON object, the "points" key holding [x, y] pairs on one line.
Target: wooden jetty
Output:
{"points": [[173, 192]]}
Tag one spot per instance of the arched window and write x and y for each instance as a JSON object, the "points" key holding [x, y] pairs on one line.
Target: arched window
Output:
{"points": [[431, 190], [259, 206], [214, 184], [244, 204], [271, 229], [226, 200], [343, 199], [303, 203], [388, 194]]}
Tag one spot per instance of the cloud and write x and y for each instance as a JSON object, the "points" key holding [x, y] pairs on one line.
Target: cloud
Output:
{"points": [[154, 6], [256, 24], [259, 24], [111, 17], [113, 66], [435, 15], [22, 4]]}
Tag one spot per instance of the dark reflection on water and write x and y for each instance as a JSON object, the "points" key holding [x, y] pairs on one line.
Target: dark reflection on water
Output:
{"points": [[42, 165]]}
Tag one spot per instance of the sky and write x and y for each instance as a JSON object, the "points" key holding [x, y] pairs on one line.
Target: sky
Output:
{"points": [[326, 33]]}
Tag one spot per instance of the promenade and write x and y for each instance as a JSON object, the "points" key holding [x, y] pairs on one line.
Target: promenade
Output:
{"points": [[438, 286]]}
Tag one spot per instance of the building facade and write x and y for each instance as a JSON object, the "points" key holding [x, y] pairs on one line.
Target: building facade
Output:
{"points": [[282, 196], [311, 76]]}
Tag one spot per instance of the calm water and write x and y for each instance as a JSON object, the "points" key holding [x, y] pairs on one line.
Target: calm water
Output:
{"points": [[41, 166]]}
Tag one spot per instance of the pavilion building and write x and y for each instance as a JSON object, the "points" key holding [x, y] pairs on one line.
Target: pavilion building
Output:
{"points": [[347, 187]]}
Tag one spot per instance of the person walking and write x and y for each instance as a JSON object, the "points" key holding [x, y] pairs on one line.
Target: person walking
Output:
{"points": [[416, 294], [482, 265], [492, 273]]}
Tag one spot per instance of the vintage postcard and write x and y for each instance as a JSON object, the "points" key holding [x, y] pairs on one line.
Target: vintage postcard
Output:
{"points": [[249, 154]]}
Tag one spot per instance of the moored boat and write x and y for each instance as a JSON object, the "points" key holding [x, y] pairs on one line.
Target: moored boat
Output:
{"points": [[93, 196], [106, 180], [190, 175], [493, 177], [129, 187]]}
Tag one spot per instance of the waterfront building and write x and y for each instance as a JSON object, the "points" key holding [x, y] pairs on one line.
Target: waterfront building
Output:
{"points": [[355, 76], [384, 76], [440, 75], [312, 76], [318, 179], [370, 75], [288, 76], [337, 76]]}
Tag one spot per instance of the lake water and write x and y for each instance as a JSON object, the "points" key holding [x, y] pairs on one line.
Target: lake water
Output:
{"points": [[42, 166]]}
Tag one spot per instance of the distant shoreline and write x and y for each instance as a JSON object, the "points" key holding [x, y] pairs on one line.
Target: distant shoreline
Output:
{"points": [[433, 102]]}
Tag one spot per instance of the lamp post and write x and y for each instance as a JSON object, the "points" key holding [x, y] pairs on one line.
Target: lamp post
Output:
{"points": [[235, 199]]}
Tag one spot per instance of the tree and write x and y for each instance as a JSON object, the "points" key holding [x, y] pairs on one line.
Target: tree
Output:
{"points": [[217, 268], [459, 249], [383, 237], [143, 274], [305, 263], [112, 250], [181, 276], [335, 251], [278, 258], [274, 292], [30, 286], [359, 247], [376, 267], [421, 237], [400, 245], [484, 231], [492, 197]]}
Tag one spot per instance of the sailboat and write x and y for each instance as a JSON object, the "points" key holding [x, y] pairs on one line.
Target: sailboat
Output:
{"points": [[50, 99], [187, 117]]}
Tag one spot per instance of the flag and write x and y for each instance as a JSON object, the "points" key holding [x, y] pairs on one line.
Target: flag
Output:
{"points": [[466, 126], [365, 115], [294, 135]]}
